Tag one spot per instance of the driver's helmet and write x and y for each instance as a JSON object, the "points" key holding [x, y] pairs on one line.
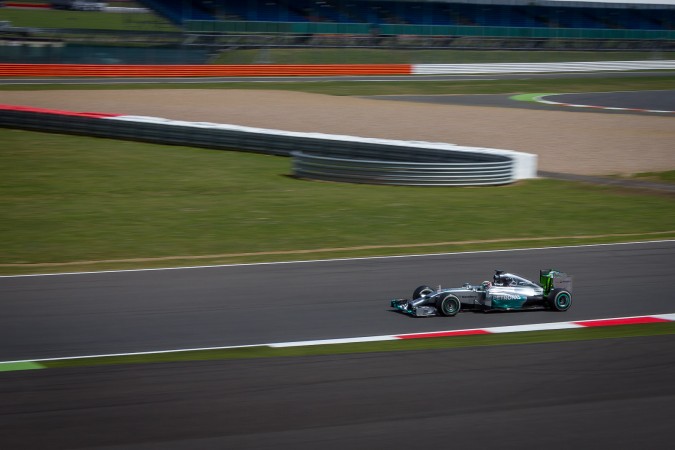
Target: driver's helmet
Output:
{"points": [[502, 279], [486, 285]]}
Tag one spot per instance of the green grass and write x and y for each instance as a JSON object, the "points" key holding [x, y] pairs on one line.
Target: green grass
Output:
{"points": [[538, 337], [659, 177], [71, 198], [421, 87], [416, 56], [90, 20], [68, 199]]}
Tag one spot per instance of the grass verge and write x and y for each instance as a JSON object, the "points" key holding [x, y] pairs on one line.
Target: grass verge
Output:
{"points": [[85, 20], [417, 56], [539, 337], [99, 204], [658, 177], [418, 87]]}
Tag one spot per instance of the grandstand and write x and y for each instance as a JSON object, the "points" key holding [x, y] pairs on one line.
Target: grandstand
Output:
{"points": [[222, 30], [455, 24], [483, 13]]}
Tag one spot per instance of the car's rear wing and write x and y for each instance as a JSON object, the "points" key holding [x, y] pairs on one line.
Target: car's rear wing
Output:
{"points": [[552, 279]]}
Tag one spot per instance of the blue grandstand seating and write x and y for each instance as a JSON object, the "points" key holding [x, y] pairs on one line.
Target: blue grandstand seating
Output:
{"points": [[411, 12], [177, 11]]}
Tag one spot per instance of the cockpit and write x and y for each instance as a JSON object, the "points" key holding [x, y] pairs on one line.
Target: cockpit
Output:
{"points": [[508, 279]]}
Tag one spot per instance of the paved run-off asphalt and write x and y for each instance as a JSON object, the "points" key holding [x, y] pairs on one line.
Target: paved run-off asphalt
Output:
{"points": [[566, 141], [603, 394], [631, 102]]}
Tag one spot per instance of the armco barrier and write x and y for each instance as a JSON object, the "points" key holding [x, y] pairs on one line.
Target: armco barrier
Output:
{"points": [[402, 173], [600, 66], [319, 156], [278, 70]]}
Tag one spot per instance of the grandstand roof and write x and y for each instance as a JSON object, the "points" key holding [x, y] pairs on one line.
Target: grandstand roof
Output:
{"points": [[614, 2], [573, 3]]}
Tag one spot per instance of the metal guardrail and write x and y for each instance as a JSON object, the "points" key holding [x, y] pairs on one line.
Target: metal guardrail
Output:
{"points": [[401, 173], [589, 66], [231, 42], [384, 29], [324, 157]]}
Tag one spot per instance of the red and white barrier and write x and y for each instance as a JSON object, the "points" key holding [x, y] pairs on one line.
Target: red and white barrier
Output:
{"points": [[283, 70]]}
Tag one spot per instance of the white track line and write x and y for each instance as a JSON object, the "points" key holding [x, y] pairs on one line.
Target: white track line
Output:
{"points": [[364, 258], [541, 99], [615, 321]]}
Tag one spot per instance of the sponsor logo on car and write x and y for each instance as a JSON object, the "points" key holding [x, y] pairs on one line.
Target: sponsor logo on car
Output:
{"points": [[508, 297]]}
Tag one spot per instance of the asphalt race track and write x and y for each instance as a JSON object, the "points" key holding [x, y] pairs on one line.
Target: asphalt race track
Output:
{"points": [[103, 313], [639, 101], [658, 100], [611, 394], [604, 394]]}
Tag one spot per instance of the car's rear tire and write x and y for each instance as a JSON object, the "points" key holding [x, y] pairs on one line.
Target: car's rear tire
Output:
{"points": [[560, 300], [421, 292], [448, 305]]}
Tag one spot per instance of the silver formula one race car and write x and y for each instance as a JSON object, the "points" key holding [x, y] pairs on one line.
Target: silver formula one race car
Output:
{"points": [[506, 292]]}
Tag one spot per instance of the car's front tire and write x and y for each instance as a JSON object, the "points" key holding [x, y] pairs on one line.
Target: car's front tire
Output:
{"points": [[448, 305], [560, 299], [422, 291]]}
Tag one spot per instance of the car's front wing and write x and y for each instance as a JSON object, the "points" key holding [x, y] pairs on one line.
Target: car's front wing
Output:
{"points": [[417, 311]]}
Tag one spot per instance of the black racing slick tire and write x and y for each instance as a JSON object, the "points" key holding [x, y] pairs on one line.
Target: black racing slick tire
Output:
{"points": [[421, 292], [560, 300], [448, 305]]}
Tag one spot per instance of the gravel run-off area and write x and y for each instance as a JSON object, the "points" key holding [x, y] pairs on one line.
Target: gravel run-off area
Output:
{"points": [[586, 143]]}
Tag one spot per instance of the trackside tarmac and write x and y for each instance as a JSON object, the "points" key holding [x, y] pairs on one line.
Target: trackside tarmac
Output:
{"points": [[636, 101], [606, 394], [125, 312], [659, 103]]}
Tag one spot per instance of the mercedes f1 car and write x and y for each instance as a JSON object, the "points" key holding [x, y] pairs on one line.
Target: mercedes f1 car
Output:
{"points": [[506, 292]]}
